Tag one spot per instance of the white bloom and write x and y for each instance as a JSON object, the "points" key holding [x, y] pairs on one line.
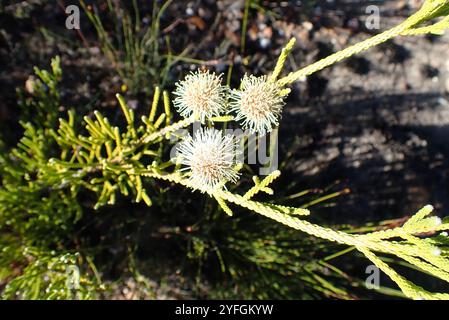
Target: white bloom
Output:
{"points": [[210, 158], [258, 103], [200, 94]]}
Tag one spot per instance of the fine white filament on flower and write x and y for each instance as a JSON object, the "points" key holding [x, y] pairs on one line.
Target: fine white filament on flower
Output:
{"points": [[210, 158], [258, 103], [200, 94]]}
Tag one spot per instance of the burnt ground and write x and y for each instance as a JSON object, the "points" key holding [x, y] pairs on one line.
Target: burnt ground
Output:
{"points": [[377, 123]]}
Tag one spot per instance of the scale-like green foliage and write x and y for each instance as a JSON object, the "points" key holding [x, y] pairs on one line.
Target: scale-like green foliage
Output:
{"points": [[46, 275]]}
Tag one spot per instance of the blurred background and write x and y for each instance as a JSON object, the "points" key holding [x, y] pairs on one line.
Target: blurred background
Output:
{"points": [[369, 134]]}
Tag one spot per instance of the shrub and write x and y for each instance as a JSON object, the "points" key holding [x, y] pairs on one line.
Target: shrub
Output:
{"points": [[53, 166]]}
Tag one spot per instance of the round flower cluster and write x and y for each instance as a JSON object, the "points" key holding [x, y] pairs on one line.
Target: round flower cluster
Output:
{"points": [[258, 104], [210, 158], [209, 155], [200, 94]]}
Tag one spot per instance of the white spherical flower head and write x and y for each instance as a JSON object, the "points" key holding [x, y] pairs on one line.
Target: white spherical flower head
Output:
{"points": [[258, 103], [200, 94], [210, 156]]}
